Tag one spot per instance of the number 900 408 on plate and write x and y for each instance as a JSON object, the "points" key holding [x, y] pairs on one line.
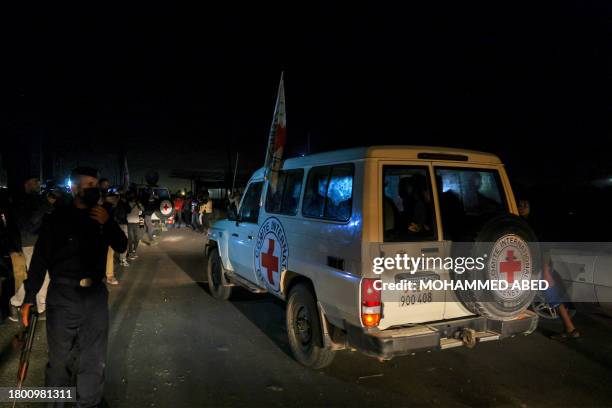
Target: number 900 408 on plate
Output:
{"points": [[415, 298]]}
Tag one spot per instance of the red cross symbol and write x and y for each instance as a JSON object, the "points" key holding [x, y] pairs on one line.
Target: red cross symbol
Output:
{"points": [[269, 261], [510, 266], [165, 206]]}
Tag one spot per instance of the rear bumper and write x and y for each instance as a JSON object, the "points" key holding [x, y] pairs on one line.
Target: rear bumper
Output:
{"points": [[386, 344]]}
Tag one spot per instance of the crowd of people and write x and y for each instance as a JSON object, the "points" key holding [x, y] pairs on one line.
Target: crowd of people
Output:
{"points": [[21, 217], [193, 211], [22, 213], [58, 252]]}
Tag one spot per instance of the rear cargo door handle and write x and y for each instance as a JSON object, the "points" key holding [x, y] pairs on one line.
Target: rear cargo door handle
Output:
{"points": [[234, 234], [429, 250], [249, 236]]}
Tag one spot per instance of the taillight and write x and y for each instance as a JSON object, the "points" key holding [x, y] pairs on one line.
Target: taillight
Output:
{"points": [[371, 306]]}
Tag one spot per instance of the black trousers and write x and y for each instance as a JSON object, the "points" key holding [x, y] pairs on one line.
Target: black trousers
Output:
{"points": [[77, 331]]}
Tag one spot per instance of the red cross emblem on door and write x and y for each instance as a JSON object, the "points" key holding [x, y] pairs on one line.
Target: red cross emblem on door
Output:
{"points": [[510, 266], [166, 207], [269, 261]]}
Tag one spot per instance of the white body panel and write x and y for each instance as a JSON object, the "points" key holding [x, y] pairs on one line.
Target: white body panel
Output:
{"points": [[311, 242]]}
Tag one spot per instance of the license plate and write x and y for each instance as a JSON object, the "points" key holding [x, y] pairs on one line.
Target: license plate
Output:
{"points": [[415, 297]]}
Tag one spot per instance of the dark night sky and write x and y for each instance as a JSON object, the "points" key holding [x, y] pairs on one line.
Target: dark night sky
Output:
{"points": [[528, 81]]}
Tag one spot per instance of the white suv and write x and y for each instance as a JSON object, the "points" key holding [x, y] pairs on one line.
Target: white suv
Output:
{"points": [[313, 241]]}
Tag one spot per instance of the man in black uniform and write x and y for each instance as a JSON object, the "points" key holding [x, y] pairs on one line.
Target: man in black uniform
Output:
{"points": [[72, 246]]}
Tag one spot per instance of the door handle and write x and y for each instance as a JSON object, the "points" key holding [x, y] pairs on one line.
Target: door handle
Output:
{"points": [[249, 236], [429, 250], [234, 234]]}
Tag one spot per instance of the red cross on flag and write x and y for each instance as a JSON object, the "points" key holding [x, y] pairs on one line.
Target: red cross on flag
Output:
{"points": [[278, 134]]}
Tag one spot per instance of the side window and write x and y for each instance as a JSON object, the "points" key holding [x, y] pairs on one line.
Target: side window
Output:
{"points": [[468, 197], [339, 202], [285, 199], [249, 209], [316, 189], [408, 209], [329, 192]]}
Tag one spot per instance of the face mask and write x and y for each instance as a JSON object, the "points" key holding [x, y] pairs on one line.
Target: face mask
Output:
{"points": [[91, 196]]}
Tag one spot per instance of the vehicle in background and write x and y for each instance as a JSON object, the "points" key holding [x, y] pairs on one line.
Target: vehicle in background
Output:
{"points": [[585, 271], [159, 198]]}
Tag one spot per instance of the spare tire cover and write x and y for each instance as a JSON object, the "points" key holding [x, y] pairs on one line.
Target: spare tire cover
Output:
{"points": [[511, 252], [165, 208]]}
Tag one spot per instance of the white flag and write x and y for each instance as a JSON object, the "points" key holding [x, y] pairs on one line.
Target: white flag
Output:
{"points": [[278, 132]]}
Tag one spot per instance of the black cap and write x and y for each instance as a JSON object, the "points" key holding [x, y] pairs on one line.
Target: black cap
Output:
{"points": [[85, 171]]}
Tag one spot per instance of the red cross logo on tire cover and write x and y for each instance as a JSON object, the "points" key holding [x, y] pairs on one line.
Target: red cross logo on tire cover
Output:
{"points": [[271, 254], [165, 207], [510, 266], [511, 261]]}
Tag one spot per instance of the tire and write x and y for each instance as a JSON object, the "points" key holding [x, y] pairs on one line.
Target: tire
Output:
{"points": [[499, 233], [216, 277], [304, 329]]}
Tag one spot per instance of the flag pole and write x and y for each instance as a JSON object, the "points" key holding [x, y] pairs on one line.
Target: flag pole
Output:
{"points": [[235, 171]]}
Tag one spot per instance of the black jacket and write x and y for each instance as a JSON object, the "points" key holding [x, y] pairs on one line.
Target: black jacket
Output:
{"points": [[72, 245], [121, 211], [28, 212]]}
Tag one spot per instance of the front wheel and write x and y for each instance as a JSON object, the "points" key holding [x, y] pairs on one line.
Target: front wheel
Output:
{"points": [[217, 282], [304, 329]]}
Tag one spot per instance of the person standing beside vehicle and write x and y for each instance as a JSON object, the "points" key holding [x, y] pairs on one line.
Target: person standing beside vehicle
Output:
{"points": [[73, 246], [195, 212], [207, 211], [178, 204], [109, 202], [121, 211], [133, 220], [556, 292], [29, 208], [151, 205]]}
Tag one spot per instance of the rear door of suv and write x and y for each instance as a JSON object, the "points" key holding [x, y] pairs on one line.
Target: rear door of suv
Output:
{"points": [[409, 229], [469, 194]]}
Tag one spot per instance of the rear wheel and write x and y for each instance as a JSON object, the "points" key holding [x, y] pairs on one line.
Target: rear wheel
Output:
{"points": [[217, 282], [304, 329]]}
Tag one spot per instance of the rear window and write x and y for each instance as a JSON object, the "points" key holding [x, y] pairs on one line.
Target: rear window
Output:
{"points": [[329, 192], [156, 193], [408, 210], [285, 198], [468, 198], [162, 193]]}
